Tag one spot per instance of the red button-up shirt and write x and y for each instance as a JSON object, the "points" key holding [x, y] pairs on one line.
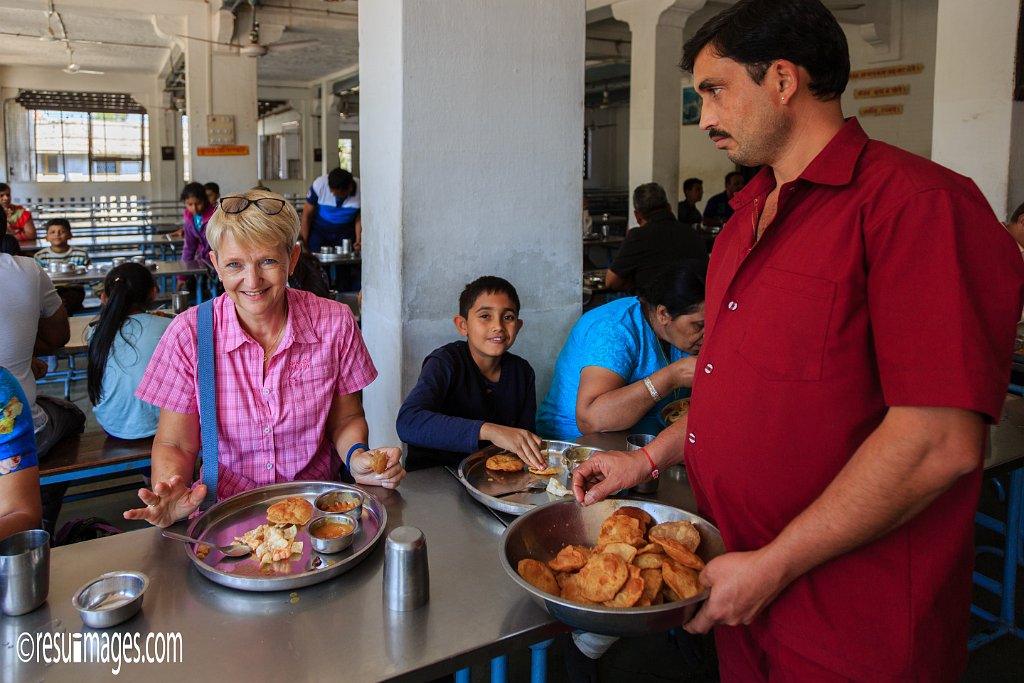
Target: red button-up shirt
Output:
{"points": [[884, 280]]}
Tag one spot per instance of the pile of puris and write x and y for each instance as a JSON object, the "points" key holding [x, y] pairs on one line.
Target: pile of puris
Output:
{"points": [[636, 563]]}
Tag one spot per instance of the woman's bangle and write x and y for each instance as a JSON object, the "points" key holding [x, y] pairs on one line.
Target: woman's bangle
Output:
{"points": [[655, 473], [650, 388], [348, 458]]}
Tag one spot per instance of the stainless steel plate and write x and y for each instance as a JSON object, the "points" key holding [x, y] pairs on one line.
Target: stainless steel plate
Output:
{"points": [[541, 533], [233, 517], [484, 484]]}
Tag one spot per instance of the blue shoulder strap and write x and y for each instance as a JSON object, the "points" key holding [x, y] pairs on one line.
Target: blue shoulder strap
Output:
{"points": [[207, 401]]}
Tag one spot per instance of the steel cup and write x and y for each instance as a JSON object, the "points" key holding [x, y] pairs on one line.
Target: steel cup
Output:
{"points": [[180, 301], [635, 442], [24, 571], [604, 230], [406, 575], [326, 250], [339, 249], [116, 261], [346, 247]]}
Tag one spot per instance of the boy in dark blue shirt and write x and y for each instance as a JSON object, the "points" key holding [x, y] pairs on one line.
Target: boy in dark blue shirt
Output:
{"points": [[473, 391]]}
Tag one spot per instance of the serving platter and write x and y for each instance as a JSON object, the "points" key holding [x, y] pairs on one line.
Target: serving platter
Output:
{"points": [[485, 485], [241, 513], [542, 532]]}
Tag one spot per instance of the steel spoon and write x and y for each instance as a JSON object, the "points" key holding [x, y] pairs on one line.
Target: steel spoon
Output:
{"points": [[535, 486], [232, 550]]}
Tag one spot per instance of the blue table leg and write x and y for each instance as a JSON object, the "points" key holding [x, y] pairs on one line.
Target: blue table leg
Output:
{"points": [[499, 669], [462, 676], [539, 661]]}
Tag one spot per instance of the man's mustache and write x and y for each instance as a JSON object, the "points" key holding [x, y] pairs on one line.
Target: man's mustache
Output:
{"points": [[717, 133]]}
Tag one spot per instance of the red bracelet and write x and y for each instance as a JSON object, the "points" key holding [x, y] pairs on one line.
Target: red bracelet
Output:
{"points": [[654, 470]]}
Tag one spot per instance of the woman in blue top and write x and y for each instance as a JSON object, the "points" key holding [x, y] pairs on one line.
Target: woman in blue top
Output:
{"points": [[20, 507], [626, 360], [120, 347]]}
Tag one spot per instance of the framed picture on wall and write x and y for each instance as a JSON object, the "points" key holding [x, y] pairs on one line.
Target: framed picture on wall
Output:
{"points": [[691, 107]]}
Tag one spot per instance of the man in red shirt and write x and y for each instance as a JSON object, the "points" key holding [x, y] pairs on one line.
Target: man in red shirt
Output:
{"points": [[860, 319]]}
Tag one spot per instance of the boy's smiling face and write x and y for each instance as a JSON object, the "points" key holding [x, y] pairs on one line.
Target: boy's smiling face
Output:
{"points": [[58, 236], [491, 327]]}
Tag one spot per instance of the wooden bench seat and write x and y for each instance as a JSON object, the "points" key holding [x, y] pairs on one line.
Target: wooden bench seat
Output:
{"points": [[94, 455]]}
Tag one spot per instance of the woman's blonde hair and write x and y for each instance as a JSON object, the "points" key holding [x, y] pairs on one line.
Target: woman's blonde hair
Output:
{"points": [[252, 226]]}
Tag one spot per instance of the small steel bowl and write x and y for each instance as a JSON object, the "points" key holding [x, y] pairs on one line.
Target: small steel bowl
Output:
{"points": [[324, 500], [670, 408], [333, 545], [574, 456], [111, 598]]}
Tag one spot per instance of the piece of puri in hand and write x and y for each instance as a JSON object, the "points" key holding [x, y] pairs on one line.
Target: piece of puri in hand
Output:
{"points": [[546, 472], [378, 461], [290, 511], [504, 462], [570, 558], [603, 576], [683, 581], [621, 529], [537, 574]]}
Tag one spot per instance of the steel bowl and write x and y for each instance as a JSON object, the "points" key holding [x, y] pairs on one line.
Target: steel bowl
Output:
{"points": [[663, 413], [574, 456], [111, 598], [542, 532], [324, 500], [333, 545]]}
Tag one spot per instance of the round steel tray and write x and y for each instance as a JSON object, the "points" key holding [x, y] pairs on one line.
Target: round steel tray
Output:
{"points": [[233, 517], [542, 532], [484, 484]]}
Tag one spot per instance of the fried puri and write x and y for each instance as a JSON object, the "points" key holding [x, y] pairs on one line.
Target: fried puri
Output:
{"points": [[621, 529], [631, 591], [602, 577], [684, 532], [503, 462], [684, 581], [538, 574], [638, 514], [290, 511], [680, 553], [378, 461], [570, 558]]}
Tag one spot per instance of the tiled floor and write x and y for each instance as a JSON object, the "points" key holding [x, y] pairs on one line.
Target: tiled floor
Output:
{"points": [[653, 659]]}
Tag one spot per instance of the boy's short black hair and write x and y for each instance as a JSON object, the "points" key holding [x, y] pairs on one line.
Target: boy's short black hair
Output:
{"points": [[488, 284], [62, 222], [212, 187], [690, 182], [340, 179]]}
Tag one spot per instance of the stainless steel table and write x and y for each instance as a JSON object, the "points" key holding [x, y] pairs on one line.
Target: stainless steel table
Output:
{"points": [[162, 245], [338, 630]]}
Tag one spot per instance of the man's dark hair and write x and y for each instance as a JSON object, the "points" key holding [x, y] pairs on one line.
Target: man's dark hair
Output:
{"points": [[1017, 214], [690, 182], [488, 284], [339, 179], [648, 198], [730, 174], [756, 33], [214, 187], [194, 191], [62, 222]]}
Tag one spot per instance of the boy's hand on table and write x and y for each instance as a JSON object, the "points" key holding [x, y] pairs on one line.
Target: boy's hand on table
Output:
{"points": [[522, 442]]}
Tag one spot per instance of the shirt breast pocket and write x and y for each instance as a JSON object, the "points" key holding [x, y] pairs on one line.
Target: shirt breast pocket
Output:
{"points": [[787, 325]]}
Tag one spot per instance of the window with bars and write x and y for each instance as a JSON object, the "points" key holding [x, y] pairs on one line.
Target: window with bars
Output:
{"points": [[74, 146]]}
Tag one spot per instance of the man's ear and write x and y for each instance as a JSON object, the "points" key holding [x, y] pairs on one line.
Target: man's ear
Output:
{"points": [[786, 77], [461, 325], [519, 325]]}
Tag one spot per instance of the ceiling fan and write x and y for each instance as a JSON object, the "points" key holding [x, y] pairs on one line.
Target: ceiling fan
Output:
{"points": [[254, 48], [73, 68]]}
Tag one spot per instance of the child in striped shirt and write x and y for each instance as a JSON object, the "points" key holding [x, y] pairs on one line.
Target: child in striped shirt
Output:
{"points": [[58, 234]]}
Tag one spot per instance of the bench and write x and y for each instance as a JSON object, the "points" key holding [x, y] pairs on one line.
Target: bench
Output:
{"points": [[94, 456]]}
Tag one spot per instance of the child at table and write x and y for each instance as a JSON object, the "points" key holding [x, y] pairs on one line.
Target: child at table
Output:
{"points": [[474, 391], [58, 234], [121, 343]]}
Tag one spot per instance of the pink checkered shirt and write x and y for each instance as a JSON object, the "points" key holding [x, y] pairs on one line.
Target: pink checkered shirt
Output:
{"points": [[269, 430]]}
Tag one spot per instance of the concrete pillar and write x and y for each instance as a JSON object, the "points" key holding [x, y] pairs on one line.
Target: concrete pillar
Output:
{"points": [[978, 130], [220, 81], [328, 127], [655, 94], [472, 116]]}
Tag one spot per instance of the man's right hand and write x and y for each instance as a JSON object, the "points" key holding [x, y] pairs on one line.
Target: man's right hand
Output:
{"points": [[522, 442], [168, 502]]}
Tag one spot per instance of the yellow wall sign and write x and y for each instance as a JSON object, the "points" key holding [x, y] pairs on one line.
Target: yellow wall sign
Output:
{"points": [[882, 110], [881, 91], [887, 71], [223, 151]]}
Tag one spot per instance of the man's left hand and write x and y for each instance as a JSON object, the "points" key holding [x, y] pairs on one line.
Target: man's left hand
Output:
{"points": [[742, 585]]}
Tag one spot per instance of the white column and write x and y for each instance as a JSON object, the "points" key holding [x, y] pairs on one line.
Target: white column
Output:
{"points": [[219, 81], [978, 130], [471, 123], [655, 94]]}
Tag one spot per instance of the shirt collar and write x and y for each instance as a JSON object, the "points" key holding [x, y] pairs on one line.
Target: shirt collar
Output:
{"points": [[834, 165], [299, 330]]}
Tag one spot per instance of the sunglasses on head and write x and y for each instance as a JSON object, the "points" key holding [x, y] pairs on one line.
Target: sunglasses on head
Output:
{"points": [[238, 204]]}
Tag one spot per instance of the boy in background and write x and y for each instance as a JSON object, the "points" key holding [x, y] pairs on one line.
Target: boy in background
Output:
{"points": [[474, 391], [58, 234]]}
